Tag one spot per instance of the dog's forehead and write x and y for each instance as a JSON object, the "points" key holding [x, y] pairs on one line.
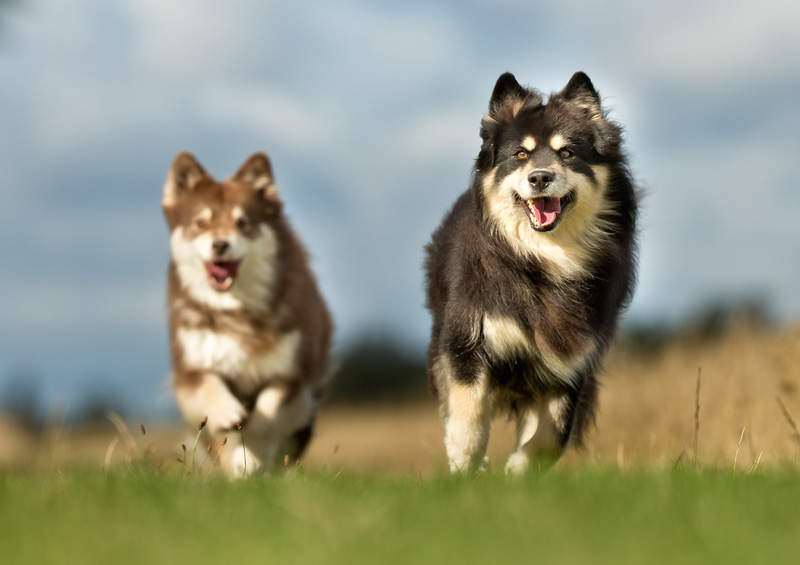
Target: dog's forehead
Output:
{"points": [[236, 193], [543, 123], [219, 202], [219, 195]]}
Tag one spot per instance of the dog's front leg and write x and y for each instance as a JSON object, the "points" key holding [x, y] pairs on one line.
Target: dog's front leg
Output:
{"points": [[280, 410], [467, 420], [541, 434], [205, 396]]}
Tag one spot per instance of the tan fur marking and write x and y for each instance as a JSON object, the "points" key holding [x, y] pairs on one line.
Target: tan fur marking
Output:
{"points": [[529, 143], [466, 412], [205, 214], [557, 142], [504, 336], [565, 368]]}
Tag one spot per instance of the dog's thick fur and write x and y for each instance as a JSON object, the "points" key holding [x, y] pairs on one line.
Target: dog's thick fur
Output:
{"points": [[528, 273], [249, 330]]}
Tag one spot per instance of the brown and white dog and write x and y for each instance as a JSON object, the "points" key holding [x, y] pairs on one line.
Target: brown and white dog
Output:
{"points": [[249, 330]]}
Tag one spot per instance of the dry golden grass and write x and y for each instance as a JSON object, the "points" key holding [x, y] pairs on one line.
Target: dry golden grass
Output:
{"points": [[647, 405], [646, 417]]}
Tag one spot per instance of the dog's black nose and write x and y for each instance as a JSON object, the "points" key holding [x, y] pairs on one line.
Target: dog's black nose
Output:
{"points": [[220, 246], [541, 179]]}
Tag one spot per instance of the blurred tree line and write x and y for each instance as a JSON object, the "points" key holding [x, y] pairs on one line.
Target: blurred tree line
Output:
{"points": [[710, 322], [381, 370]]}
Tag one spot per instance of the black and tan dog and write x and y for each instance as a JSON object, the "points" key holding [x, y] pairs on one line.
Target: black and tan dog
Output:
{"points": [[249, 330], [529, 271]]}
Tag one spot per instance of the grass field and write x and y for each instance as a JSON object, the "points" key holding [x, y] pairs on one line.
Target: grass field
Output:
{"points": [[586, 516]]}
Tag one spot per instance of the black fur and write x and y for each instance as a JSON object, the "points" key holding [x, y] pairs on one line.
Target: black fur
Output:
{"points": [[472, 272], [296, 444]]}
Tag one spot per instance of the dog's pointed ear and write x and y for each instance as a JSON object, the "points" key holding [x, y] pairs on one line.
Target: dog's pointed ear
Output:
{"points": [[183, 176], [506, 87], [256, 171], [507, 98], [581, 91]]}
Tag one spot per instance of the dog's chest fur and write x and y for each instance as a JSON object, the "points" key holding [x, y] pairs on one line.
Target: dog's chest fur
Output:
{"points": [[508, 342], [536, 328], [248, 353]]}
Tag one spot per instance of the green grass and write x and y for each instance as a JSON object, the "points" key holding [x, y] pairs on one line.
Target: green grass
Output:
{"points": [[565, 516]]}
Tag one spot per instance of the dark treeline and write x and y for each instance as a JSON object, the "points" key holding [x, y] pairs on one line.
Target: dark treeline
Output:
{"points": [[381, 370], [708, 323]]}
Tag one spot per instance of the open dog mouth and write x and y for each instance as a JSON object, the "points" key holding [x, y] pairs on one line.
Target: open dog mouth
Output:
{"points": [[222, 274], [545, 212]]}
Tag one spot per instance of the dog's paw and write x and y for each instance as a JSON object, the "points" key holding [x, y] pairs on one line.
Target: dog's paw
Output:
{"points": [[211, 401], [461, 463], [242, 462], [517, 463], [223, 410]]}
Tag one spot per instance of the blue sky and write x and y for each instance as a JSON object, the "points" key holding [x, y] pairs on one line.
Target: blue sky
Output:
{"points": [[370, 114]]}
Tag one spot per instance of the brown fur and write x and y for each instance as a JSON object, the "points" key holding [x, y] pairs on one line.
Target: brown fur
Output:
{"points": [[291, 302]]}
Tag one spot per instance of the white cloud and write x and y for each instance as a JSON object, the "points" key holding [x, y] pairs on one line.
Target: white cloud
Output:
{"points": [[446, 131], [725, 41], [294, 120], [198, 40]]}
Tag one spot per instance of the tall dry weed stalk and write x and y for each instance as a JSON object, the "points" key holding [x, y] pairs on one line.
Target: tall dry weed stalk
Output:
{"points": [[697, 417], [788, 417]]}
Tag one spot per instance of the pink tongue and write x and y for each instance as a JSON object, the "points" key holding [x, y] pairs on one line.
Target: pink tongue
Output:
{"points": [[546, 210], [223, 270]]}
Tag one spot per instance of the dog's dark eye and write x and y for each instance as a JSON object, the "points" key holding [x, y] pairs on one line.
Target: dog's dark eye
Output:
{"points": [[241, 223], [200, 223], [565, 153], [520, 155]]}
